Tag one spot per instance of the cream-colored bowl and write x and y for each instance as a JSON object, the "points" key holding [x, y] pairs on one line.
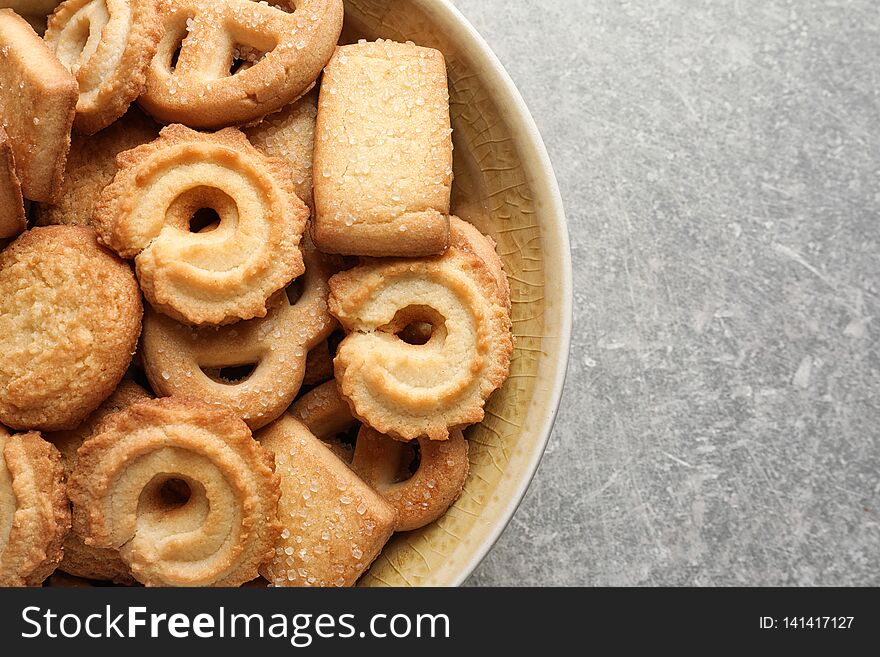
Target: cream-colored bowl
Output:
{"points": [[505, 185]]}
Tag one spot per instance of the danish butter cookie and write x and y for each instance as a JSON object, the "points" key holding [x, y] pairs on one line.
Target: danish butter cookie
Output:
{"points": [[70, 317], [422, 496], [334, 524], [181, 490], [409, 390], [229, 269], [107, 45], [34, 513], [231, 62], [37, 103], [91, 166], [383, 152]]}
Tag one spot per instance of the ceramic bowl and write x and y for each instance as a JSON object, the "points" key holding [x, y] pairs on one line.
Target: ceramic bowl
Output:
{"points": [[504, 184]]}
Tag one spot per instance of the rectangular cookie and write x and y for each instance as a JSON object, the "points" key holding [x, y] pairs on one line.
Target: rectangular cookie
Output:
{"points": [[12, 218], [383, 152], [38, 99], [335, 525]]}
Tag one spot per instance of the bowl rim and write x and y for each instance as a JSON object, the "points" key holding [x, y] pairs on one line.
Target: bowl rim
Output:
{"points": [[532, 146]]}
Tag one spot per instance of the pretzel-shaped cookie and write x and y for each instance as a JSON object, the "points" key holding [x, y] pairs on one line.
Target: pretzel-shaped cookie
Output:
{"points": [[182, 490], [410, 390], [190, 361], [107, 45], [34, 514], [225, 272], [281, 55], [425, 495]]}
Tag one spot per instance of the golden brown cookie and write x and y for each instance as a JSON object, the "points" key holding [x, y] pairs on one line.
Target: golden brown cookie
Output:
{"points": [[34, 513], [334, 524], [383, 152], [410, 390], [37, 102], [91, 166], [12, 218], [107, 45], [290, 135], [182, 490], [229, 269], [230, 62], [256, 367], [422, 496], [70, 316], [80, 559]]}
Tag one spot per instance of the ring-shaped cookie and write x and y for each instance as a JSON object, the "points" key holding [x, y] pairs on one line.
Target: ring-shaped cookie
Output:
{"points": [[34, 513], [107, 45], [182, 490], [427, 493], [409, 390], [231, 62], [224, 272], [181, 360]]}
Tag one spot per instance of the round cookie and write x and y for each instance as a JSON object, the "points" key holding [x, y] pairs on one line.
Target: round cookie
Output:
{"points": [[394, 380], [227, 270], [422, 496], [182, 490], [70, 317]]}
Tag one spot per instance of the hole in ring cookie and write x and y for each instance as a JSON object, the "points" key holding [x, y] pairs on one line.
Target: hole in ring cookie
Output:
{"points": [[201, 210], [418, 325], [416, 333], [410, 460], [204, 221], [294, 291], [243, 58], [231, 375], [172, 65], [167, 493], [176, 35], [174, 493]]}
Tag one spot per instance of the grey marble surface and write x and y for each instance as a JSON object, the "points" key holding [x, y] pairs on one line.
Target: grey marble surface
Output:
{"points": [[720, 166]]}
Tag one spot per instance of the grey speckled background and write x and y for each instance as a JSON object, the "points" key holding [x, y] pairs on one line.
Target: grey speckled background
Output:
{"points": [[720, 166]]}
